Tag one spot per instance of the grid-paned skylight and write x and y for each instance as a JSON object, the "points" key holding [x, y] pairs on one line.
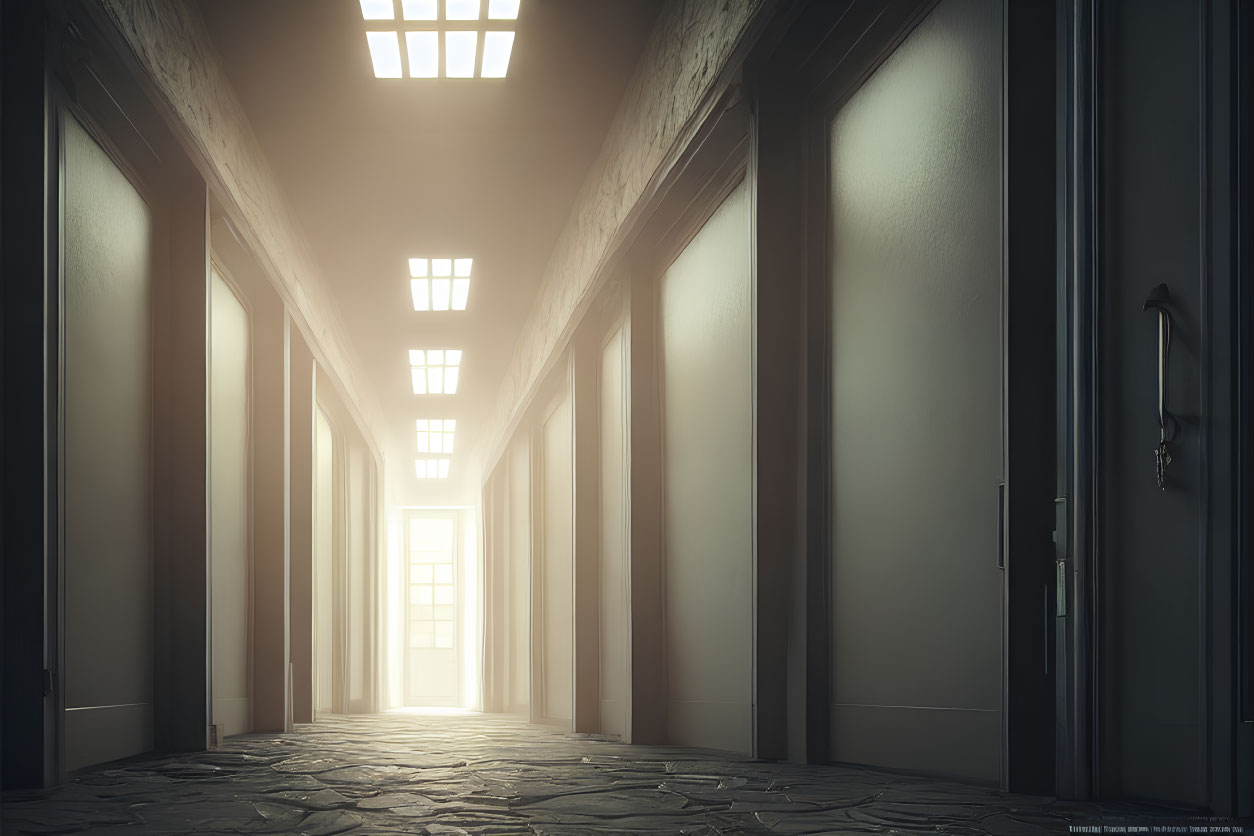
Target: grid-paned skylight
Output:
{"points": [[434, 371], [431, 468], [440, 284], [436, 436], [441, 38]]}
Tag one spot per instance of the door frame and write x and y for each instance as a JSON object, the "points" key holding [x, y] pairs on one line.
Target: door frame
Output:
{"points": [[457, 517], [556, 390], [67, 99], [807, 65], [218, 267], [320, 413], [93, 87], [1243, 143]]}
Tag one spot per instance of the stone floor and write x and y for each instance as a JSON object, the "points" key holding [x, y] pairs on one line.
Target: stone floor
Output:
{"points": [[495, 775]]}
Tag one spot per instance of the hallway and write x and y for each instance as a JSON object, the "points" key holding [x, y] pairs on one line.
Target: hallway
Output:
{"points": [[561, 416], [489, 774]]}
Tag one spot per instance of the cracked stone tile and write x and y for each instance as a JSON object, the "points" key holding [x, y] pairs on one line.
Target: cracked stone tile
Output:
{"points": [[329, 823], [319, 799], [497, 776], [393, 800]]}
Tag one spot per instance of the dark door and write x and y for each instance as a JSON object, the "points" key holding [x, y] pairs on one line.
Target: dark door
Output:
{"points": [[916, 438], [1151, 712], [1150, 567]]}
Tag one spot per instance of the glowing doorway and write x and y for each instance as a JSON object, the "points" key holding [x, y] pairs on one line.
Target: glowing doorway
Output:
{"points": [[432, 652]]}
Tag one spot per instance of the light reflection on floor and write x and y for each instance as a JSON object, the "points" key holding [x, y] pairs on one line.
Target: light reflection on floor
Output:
{"points": [[470, 773]]}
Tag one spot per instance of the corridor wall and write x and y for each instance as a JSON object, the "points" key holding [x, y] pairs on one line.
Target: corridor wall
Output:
{"points": [[108, 250], [229, 508], [519, 577], [613, 611], [915, 316], [704, 310], [358, 573], [556, 570], [324, 566], [122, 186]]}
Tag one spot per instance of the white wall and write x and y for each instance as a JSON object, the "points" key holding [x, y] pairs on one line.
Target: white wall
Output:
{"points": [[557, 569], [360, 625], [518, 578], [916, 299], [228, 508], [707, 389], [614, 638], [324, 563]]}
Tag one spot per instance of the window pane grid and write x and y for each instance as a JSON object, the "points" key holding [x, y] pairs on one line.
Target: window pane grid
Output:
{"points": [[439, 284], [436, 436], [441, 38], [431, 468], [432, 9], [435, 372], [432, 616]]}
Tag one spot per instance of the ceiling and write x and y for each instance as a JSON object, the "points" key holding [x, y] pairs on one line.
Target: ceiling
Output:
{"points": [[382, 170]]}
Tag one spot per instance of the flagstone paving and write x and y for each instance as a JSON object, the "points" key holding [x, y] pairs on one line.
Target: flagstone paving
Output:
{"points": [[486, 774]]}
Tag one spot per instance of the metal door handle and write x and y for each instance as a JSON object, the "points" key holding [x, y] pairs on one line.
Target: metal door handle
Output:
{"points": [[1168, 426]]}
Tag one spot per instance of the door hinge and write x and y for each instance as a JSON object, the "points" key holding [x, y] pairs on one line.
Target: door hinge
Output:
{"points": [[47, 683]]}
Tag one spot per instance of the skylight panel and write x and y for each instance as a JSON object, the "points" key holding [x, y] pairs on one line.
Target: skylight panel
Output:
{"points": [[424, 54], [459, 23], [434, 372], [436, 436], [378, 10], [459, 54], [461, 9], [431, 468], [418, 9], [440, 284], [497, 47], [385, 54], [502, 9]]}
